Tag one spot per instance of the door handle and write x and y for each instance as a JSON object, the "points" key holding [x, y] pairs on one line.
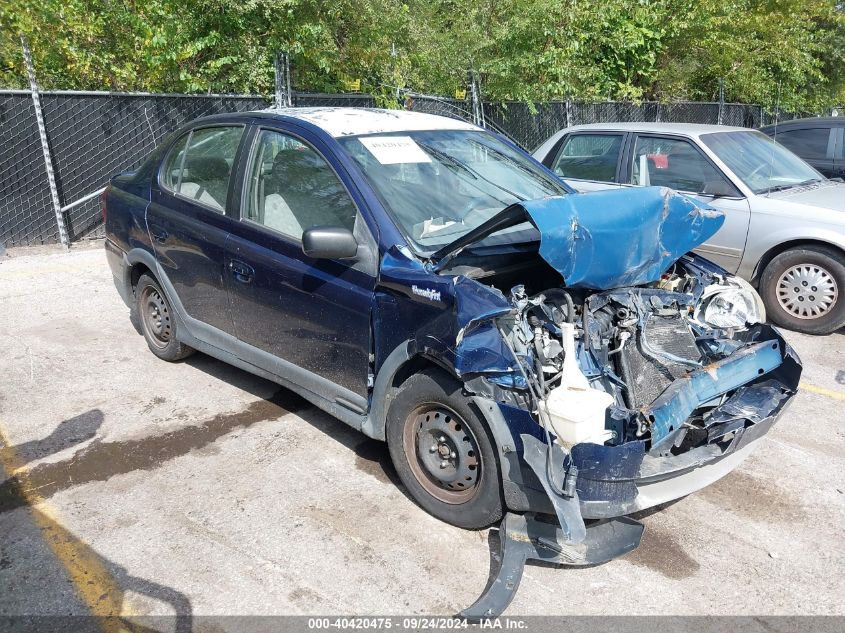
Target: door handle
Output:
{"points": [[241, 272]]}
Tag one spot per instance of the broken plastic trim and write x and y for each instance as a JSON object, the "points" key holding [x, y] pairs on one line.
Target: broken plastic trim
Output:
{"points": [[523, 538]]}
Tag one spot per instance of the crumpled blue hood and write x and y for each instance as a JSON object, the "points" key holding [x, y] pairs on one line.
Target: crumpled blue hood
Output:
{"points": [[619, 237]]}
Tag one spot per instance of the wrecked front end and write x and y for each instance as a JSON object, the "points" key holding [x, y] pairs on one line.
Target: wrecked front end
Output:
{"points": [[667, 403], [645, 376]]}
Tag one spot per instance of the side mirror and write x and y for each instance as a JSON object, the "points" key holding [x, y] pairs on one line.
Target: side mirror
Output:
{"points": [[329, 242]]}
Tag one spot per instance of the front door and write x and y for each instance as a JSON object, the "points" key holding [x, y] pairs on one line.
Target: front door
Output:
{"points": [[187, 221], [313, 314], [678, 164]]}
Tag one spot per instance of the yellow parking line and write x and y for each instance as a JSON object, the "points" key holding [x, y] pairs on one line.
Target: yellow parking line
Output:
{"points": [[92, 581], [830, 393]]}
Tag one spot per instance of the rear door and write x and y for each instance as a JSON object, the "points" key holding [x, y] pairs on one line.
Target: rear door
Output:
{"points": [[313, 315], [816, 145], [588, 161], [677, 163], [187, 220]]}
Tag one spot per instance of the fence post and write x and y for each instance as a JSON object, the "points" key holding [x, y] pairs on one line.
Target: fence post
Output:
{"points": [[281, 69], [477, 106], [568, 113], [45, 147], [721, 116]]}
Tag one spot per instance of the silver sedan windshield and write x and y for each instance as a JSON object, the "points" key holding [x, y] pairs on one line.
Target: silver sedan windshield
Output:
{"points": [[759, 162], [440, 184]]}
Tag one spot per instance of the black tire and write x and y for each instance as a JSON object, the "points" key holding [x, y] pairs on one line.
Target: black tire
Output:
{"points": [[431, 407], [787, 294], [157, 322]]}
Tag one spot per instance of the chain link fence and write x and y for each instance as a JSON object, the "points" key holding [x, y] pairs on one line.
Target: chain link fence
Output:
{"points": [[92, 136], [26, 212]]}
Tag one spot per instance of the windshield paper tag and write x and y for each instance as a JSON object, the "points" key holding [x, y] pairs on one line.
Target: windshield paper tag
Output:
{"points": [[394, 150]]}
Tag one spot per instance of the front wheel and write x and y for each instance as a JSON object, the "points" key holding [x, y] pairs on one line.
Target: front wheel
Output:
{"points": [[803, 289], [443, 453]]}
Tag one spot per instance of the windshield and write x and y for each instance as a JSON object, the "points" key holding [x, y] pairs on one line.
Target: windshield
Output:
{"points": [[439, 185], [759, 162]]}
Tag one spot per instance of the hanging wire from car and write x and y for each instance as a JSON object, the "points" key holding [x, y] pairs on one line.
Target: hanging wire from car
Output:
{"points": [[535, 390]]}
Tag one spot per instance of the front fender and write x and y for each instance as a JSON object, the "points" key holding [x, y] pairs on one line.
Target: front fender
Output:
{"points": [[765, 240]]}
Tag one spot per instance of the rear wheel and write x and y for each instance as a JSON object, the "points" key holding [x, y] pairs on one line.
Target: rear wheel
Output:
{"points": [[157, 321], [443, 453], [803, 289]]}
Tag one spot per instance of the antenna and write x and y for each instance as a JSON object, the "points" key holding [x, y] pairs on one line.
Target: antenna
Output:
{"points": [[775, 138]]}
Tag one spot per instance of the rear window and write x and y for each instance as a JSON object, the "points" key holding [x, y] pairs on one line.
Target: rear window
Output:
{"points": [[589, 157]]}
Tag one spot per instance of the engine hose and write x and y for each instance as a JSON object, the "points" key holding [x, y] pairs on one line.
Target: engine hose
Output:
{"points": [[540, 377], [567, 298], [585, 326], [537, 326], [570, 307]]}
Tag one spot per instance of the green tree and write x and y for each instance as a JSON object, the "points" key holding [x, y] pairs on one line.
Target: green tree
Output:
{"points": [[531, 50]]}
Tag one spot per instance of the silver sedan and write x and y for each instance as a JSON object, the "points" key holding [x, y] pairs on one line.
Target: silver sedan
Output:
{"points": [[784, 227]]}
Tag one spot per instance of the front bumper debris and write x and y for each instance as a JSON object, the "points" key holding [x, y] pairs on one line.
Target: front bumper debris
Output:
{"points": [[606, 483], [523, 537]]}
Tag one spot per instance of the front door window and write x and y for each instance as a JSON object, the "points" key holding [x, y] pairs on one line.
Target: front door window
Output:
{"points": [[292, 188], [674, 163]]}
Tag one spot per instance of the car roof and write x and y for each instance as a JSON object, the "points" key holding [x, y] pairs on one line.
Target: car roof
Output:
{"points": [[821, 121], [685, 129], [357, 121]]}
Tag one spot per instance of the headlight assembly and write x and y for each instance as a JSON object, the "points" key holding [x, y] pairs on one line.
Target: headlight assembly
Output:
{"points": [[732, 304]]}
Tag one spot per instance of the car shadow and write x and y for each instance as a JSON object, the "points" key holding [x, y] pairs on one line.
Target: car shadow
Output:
{"points": [[103, 594], [100, 460], [50, 579], [371, 456]]}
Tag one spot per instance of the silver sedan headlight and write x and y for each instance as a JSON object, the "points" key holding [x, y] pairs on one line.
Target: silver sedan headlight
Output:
{"points": [[730, 305]]}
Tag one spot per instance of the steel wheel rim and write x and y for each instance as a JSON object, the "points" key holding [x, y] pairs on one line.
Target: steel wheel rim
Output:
{"points": [[155, 316], [807, 291], [443, 453]]}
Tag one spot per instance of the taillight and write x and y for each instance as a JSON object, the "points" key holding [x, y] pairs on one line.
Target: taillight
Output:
{"points": [[103, 208]]}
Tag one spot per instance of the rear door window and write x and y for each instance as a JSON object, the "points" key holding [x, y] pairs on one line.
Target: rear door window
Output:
{"points": [[674, 163], [199, 166], [812, 143], [589, 157]]}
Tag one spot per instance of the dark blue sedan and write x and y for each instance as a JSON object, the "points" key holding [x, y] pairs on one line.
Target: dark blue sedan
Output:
{"points": [[553, 358]]}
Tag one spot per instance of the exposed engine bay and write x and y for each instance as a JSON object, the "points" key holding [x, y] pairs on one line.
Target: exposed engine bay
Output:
{"points": [[594, 361]]}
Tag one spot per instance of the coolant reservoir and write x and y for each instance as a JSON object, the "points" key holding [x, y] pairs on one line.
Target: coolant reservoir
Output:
{"points": [[576, 410]]}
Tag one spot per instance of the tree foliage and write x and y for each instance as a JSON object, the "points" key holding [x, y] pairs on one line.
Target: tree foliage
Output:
{"points": [[521, 49]]}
